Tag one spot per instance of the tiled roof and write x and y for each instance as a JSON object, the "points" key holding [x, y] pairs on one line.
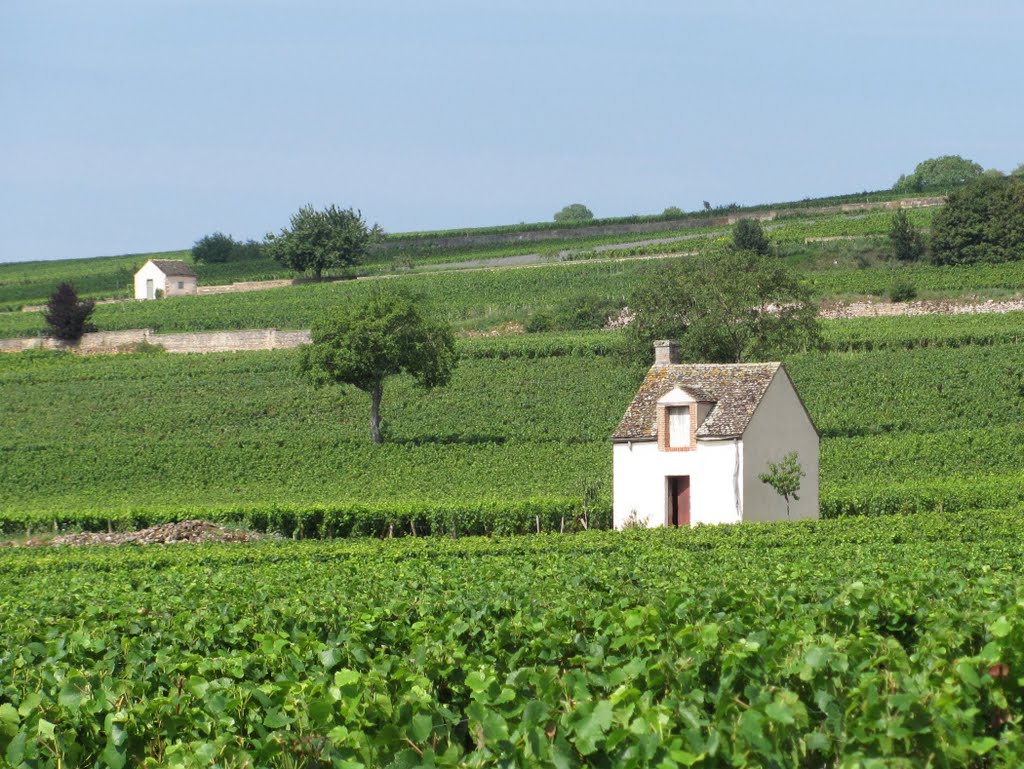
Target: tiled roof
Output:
{"points": [[174, 267], [736, 389]]}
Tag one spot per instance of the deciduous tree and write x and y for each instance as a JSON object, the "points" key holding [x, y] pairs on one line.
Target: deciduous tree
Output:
{"points": [[939, 174], [574, 212], [982, 222], [364, 343], [723, 307], [213, 249], [322, 240]]}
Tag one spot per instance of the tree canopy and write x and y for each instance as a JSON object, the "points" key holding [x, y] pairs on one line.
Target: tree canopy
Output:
{"points": [[724, 307], [748, 235], [574, 212], [322, 240], [907, 242], [67, 316], [982, 222], [213, 249], [218, 248], [364, 343], [939, 174]]}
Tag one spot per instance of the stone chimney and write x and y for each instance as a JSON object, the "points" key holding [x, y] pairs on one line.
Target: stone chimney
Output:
{"points": [[666, 352]]}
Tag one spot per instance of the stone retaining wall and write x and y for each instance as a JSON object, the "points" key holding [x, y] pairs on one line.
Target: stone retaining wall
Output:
{"points": [[126, 341]]}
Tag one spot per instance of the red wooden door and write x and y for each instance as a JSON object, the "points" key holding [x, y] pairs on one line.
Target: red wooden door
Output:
{"points": [[679, 500]]}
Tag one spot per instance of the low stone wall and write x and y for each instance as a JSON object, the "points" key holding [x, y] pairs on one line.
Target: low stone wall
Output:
{"points": [[243, 286], [230, 341], [126, 341], [101, 341], [894, 204]]}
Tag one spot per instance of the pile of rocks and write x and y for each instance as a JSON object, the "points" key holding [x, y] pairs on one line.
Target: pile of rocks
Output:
{"points": [[193, 531]]}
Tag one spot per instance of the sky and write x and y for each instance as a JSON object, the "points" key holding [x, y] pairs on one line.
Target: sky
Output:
{"points": [[131, 126]]}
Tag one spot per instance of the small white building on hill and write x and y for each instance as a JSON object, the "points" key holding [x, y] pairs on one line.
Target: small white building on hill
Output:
{"points": [[165, 277], [696, 437]]}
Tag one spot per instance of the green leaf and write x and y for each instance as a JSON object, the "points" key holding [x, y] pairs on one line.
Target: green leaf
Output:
{"points": [[1001, 627], [421, 728], [8, 715], [112, 757], [983, 745], [29, 703], [329, 657], [346, 678], [73, 692], [197, 686], [595, 721], [818, 741], [685, 758], [15, 753], [780, 712], [275, 719], [45, 729], [477, 681]]}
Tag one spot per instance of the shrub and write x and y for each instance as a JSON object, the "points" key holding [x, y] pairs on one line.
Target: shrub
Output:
{"points": [[907, 243], [902, 291], [748, 235], [213, 249], [580, 314], [66, 316]]}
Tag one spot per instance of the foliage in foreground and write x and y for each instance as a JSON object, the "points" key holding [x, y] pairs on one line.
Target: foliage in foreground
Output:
{"points": [[864, 642]]}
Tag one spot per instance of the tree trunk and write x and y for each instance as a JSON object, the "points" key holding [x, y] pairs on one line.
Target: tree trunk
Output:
{"points": [[375, 395]]}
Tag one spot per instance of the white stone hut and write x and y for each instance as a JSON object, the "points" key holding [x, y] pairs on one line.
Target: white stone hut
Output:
{"points": [[696, 437], [165, 277]]}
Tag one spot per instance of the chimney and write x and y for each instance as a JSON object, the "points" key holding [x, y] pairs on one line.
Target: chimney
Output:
{"points": [[666, 352]]}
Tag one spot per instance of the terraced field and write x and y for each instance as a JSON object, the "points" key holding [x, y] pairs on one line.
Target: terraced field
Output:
{"points": [[930, 416]]}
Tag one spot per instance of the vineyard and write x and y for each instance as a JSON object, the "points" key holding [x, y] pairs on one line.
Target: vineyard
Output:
{"points": [[394, 616], [926, 419], [860, 642], [30, 283], [486, 299]]}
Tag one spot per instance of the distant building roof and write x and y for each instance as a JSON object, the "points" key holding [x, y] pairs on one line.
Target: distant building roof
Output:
{"points": [[735, 388], [174, 267]]}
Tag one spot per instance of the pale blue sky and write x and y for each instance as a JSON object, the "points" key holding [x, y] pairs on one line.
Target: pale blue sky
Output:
{"points": [[141, 125]]}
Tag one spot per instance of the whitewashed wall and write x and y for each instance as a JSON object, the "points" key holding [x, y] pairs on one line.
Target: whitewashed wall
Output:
{"points": [[167, 284], [149, 271], [640, 470], [779, 425]]}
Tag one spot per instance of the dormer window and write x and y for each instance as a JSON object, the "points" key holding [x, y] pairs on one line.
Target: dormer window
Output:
{"points": [[678, 427], [680, 413]]}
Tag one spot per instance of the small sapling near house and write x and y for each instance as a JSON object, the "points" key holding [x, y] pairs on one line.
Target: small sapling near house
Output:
{"points": [[785, 477]]}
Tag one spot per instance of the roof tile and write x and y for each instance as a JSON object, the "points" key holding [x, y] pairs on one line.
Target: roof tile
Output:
{"points": [[736, 388], [174, 267]]}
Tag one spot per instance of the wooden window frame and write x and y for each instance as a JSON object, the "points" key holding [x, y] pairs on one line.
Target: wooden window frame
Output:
{"points": [[663, 428]]}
